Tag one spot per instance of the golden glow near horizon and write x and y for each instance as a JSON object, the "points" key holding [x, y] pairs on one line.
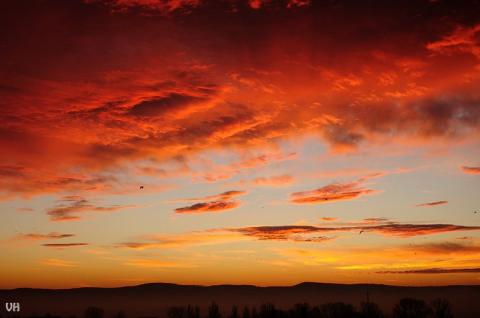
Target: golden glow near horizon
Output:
{"points": [[199, 143]]}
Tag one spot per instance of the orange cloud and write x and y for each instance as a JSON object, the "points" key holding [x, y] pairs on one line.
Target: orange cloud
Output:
{"points": [[430, 204], [280, 180], [329, 219], [57, 262], [155, 263], [72, 208], [471, 170], [331, 193], [184, 240]]}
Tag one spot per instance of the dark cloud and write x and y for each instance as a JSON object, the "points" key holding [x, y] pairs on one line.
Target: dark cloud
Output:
{"points": [[164, 105], [446, 248], [388, 229], [206, 207], [39, 236], [429, 204], [434, 271], [11, 171], [64, 245]]}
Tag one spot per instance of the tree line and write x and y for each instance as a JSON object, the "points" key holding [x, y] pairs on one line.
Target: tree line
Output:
{"points": [[405, 308]]}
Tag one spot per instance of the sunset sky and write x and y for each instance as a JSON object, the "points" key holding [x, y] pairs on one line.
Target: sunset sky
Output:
{"points": [[239, 142]]}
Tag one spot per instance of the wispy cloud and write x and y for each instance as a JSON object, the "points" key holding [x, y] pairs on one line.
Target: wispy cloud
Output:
{"points": [[156, 263], [183, 240], [227, 195], [430, 204], [57, 262], [205, 207], [273, 181], [388, 229], [72, 208], [218, 202], [331, 193], [64, 245], [328, 219], [39, 236]]}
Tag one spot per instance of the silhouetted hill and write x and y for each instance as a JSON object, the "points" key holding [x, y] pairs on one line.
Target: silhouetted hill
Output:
{"points": [[154, 299]]}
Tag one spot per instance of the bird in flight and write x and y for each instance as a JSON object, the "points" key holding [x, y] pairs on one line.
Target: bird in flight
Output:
{"points": [[361, 232], [141, 187], [475, 212]]}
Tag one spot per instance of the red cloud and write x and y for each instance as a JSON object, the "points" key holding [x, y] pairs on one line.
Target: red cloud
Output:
{"points": [[138, 104], [435, 203], [463, 40]]}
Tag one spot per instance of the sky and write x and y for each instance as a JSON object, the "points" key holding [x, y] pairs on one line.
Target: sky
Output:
{"points": [[239, 142]]}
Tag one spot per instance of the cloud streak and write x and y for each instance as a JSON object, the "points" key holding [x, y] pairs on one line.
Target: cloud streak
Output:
{"points": [[73, 208], [434, 203], [39, 236], [206, 207], [219, 202], [434, 271], [331, 193], [471, 170], [64, 245]]}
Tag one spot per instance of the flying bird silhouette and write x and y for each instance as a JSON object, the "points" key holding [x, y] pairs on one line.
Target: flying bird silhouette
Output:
{"points": [[361, 232], [141, 187]]}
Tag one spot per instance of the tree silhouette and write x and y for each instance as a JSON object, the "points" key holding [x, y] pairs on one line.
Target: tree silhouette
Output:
{"points": [[214, 311], [301, 311], [176, 312], [268, 311], [370, 310], [120, 314], [441, 308], [246, 312], [254, 312], [411, 308], [193, 311], [234, 313], [338, 310], [94, 312]]}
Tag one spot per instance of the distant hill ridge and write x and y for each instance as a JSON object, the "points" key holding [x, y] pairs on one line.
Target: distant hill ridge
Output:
{"points": [[153, 299]]}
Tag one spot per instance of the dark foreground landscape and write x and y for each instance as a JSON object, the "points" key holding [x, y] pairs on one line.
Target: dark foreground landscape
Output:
{"points": [[306, 300]]}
